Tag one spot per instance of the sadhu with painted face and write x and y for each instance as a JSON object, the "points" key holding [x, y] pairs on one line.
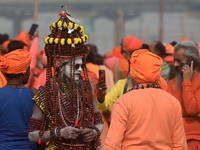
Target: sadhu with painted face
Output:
{"points": [[65, 113]]}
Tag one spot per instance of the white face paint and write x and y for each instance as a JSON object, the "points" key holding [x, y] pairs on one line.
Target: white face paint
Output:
{"points": [[78, 63]]}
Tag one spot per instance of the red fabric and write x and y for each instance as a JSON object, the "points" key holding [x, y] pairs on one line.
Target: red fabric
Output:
{"points": [[193, 145], [15, 62], [184, 38], [131, 43]]}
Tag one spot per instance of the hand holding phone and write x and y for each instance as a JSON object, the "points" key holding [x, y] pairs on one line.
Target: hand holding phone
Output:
{"points": [[33, 29], [189, 61], [102, 75]]}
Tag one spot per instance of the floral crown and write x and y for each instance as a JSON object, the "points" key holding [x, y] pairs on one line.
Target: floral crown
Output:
{"points": [[67, 38]]}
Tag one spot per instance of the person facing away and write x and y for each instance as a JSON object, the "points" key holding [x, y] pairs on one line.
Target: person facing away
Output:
{"points": [[159, 49], [16, 106], [146, 117], [106, 101], [186, 88], [12, 45], [65, 114], [130, 44]]}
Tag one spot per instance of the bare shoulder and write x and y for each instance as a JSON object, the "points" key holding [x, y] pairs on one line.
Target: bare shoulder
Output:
{"points": [[34, 91]]}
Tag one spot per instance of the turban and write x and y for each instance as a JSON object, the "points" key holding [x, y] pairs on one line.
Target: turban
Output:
{"points": [[131, 43], [15, 62], [145, 66]]}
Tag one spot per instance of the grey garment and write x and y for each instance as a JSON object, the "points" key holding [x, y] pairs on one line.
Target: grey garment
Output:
{"points": [[129, 83]]}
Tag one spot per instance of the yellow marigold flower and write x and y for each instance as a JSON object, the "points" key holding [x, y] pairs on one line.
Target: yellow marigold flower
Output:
{"points": [[75, 26], [59, 24], [54, 25], [51, 40], [65, 25], [62, 41], [69, 41], [75, 40], [83, 37], [56, 41], [86, 37], [81, 30], [79, 39], [51, 28], [46, 39], [70, 25]]}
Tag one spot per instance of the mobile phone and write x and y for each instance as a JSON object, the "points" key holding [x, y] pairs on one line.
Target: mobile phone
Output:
{"points": [[189, 61], [33, 29], [102, 75]]}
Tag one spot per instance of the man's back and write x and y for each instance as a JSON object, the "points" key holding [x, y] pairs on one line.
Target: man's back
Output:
{"points": [[16, 108], [146, 119]]}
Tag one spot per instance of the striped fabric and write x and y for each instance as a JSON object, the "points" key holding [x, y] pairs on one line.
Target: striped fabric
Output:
{"points": [[165, 71]]}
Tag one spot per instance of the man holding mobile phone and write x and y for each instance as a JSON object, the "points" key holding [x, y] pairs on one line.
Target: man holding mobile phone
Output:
{"points": [[186, 88]]}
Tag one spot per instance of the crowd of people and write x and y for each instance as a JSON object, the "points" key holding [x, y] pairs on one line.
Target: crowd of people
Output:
{"points": [[53, 98]]}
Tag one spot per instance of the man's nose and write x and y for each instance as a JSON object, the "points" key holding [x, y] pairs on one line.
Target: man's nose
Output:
{"points": [[176, 63]]}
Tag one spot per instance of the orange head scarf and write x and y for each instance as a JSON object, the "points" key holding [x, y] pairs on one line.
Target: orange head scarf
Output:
{"points": [[131, 43], [117, 52], [145, 66], [15, 62]]}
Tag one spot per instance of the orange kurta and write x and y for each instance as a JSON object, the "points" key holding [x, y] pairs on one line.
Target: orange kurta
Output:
{"points": [[146, 119], [189, 97]]}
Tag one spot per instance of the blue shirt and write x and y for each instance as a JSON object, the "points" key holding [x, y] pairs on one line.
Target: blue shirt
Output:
{"points": [[16, 108]]}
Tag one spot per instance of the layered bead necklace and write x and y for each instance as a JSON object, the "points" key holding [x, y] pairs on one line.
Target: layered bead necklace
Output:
{"points": [[142, 86]]}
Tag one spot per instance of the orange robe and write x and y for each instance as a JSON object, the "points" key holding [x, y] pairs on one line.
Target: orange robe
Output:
{"points": [[146, 119], [189, 97], [94, 68]]}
